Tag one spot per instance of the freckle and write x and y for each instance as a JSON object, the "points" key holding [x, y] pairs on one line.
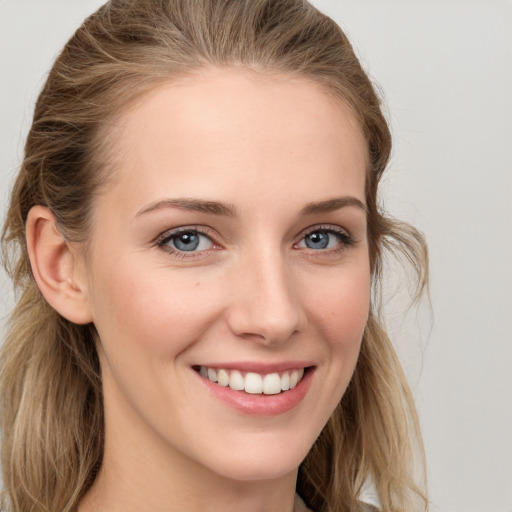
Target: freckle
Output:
{"points": [[197, 284]]}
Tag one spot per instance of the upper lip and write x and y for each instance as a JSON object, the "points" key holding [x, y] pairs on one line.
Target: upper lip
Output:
{"points": [[259, 367]]}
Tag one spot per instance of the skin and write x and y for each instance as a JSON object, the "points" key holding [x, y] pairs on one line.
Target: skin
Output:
{"points": [[267, 146]]}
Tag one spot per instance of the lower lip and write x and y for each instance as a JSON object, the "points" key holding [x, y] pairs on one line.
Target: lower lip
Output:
{"points": [[260, 405]]}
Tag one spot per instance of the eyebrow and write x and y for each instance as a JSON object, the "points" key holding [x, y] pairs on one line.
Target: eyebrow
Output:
{"points": [[229, 210], [196, 205], [333, 204]]}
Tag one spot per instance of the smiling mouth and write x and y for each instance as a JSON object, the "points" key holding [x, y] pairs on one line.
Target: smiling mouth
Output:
{"points": [[251, 382]]}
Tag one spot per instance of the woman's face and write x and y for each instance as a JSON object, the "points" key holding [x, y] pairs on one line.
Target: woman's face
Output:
{"points": [[229, 245]]}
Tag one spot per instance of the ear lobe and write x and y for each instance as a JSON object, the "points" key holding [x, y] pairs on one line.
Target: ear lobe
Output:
{"points": [[54, 266]]}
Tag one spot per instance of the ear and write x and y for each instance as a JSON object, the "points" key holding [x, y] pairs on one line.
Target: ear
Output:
{"points": [[57, 269]]}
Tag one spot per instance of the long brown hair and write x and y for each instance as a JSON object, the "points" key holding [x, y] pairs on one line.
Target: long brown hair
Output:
{"points": [[50, 388]]}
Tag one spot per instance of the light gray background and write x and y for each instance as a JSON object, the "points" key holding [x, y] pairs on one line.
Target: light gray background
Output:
{"points": [[445, 69]]}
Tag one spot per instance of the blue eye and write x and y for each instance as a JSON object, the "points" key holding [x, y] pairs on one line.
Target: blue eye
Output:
{"points": [[321, 239], [187, 241]]}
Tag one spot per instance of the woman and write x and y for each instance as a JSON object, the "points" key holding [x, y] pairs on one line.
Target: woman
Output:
{"points": [[195, 237]]}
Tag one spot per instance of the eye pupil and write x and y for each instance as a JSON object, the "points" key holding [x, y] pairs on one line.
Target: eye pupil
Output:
{"points": [[186, 241], [317, 240]]}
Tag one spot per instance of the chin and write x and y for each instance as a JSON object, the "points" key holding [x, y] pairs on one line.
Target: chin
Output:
{"points": [[260, 461], [255, 472]]}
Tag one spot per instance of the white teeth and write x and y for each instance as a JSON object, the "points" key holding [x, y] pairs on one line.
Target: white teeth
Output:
{"points": [[294, 377], [285, 381], [236, 381], [254, 383], [223, 377], [272, 384]]}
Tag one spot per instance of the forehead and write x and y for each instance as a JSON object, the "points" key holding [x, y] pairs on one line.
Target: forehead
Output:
{"points": [[223, 129]]}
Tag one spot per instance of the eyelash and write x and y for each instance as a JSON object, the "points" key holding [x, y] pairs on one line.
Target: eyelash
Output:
{"points": [[167, 237], [344, 238]]}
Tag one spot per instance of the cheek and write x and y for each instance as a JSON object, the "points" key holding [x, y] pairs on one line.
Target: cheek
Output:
{"points": [[339, 311], [342, 309], [150, 312]]}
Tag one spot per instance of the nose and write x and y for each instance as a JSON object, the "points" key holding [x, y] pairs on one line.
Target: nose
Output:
{"points": [[265, 306]]}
